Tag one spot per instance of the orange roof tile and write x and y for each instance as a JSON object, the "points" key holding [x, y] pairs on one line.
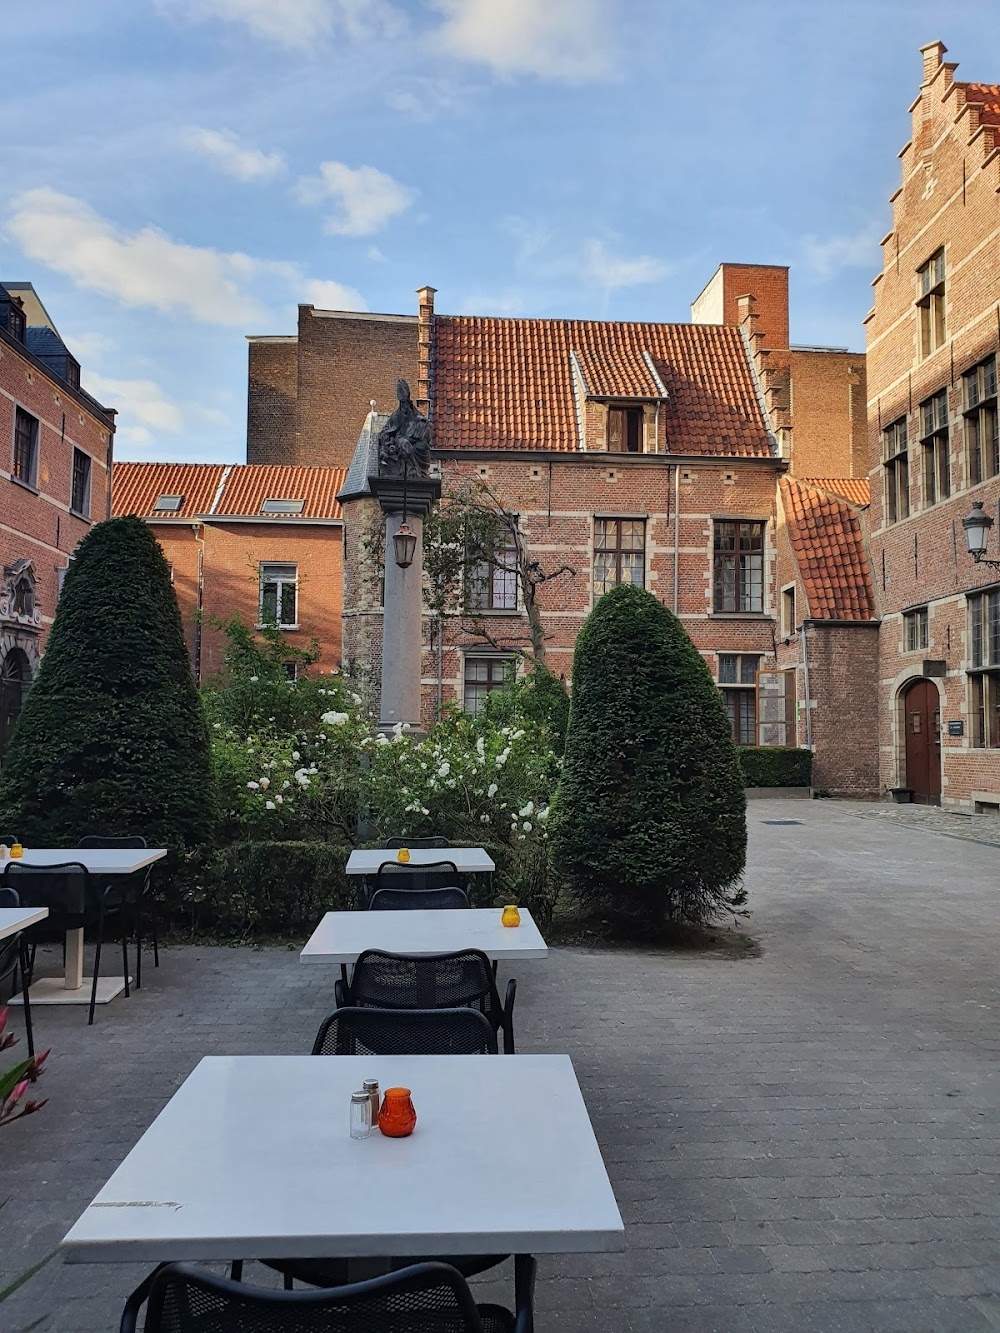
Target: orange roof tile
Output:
{"points": [[508, 383], [856, 490], [826, 536], [135, 488], [988, 94]]}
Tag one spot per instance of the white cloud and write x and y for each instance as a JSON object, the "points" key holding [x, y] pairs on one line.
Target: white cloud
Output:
{"points": [[331, 296], [826, 258], [141, 404], [568, 40], [365, 198], [610, 271], [223, 148], [298, 24], [376, 255], [147, 267]]}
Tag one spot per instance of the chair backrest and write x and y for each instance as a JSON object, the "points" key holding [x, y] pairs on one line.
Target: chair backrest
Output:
{"points": [[97, 840], [9, 896], [9, 949], [405, 1032], [435, 981], [436, 841], [184, 1299], [8, 839], [414, 900], [436, 875], [65, 889]]}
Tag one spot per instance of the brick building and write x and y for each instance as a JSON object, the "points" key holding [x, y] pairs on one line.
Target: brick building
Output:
{"points": [[56, 467], [932, 391], [250, 542]]}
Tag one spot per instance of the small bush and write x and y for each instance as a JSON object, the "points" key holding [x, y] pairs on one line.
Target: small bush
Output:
{"points": [[540, 697], [767, 766]]}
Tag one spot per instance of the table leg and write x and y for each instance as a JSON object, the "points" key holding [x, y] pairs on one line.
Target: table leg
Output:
{"points": [[73, 975], [524, 1285]]}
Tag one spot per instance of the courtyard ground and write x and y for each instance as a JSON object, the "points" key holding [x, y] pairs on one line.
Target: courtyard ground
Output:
{"points": [[801, 1140]]}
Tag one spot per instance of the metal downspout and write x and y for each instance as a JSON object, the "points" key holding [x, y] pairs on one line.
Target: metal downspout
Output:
{"points": [[805, 676], [677, 538]]}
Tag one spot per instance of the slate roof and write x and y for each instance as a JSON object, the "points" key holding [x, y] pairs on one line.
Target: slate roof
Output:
{"points": [[856, 490], [364, 463], [508, 383], [825, 533], [135, 488]]}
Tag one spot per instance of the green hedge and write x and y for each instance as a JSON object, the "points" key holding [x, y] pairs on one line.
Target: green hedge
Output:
{"points": [[257, 889], [768, 766]]}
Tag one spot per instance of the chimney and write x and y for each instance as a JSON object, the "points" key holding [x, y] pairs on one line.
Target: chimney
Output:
{"points": [[425, 328], [933, 54]]}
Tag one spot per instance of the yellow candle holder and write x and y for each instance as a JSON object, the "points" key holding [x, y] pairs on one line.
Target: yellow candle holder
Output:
{"points": [[17, 850], [402, 856], [511, 916]]}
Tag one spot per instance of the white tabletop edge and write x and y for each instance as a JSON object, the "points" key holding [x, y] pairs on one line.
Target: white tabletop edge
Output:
{"points": [[15, 919], [471, 928]]}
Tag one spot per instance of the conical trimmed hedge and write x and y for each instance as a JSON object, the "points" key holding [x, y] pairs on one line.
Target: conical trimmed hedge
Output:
{"points": [[112, 738], [649, 821]]}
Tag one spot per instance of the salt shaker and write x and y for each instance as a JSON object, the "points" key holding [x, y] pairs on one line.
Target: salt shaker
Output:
{"points": [[361, 1115], [371, 1087]]}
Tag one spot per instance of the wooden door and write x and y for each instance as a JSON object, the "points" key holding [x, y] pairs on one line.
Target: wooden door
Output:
{"points": [[922, 720]]}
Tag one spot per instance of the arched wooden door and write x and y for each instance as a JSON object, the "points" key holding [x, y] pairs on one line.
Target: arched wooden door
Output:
{"points": [[922, 722]]}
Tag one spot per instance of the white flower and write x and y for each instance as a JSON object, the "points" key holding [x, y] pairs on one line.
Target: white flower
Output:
{"points": [[254, 680], [492, 789], [424, 810], [527, 826], [407, 726], [543, 814], [265, 783], [285, 785], [302, 777], [480, 745], [217, 725], [356, 698], [380, 739], [334, 719], [518, 734], [444, 770], [296, 756], [484, 819], [254, 786], [268, 805], [280, 800], [397, 729], [529, 809]]}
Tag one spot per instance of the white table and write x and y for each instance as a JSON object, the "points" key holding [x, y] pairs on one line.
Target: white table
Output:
{"points": [[471, 860], [74, 987], [14, 919], [251, 1158], [341, 936]]}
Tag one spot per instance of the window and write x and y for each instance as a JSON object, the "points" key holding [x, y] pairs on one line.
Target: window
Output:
{"points": [[738, 687], [492, 584], [935, 449], [25, 447], [279, 595], [984, 677], [915, 629], [291, 670], [282, 506], [739, 566], [619, 553], [15, 320], [930, 303], [981, 438], [896, 462], [788, 612], [79, 500], [482, 676], [168, 504], [625, 430]]}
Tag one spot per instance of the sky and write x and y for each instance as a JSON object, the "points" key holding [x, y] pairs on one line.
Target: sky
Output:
{"points": [[180, 174]]}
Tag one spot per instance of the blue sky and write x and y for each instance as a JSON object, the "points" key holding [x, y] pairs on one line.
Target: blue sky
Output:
{"points": [[181, 173]]}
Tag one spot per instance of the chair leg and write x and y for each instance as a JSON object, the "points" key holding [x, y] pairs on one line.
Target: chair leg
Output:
{"points": [[125, 954], [289, 1283], [156, 938], [138, 943], [25, 987], [97, 971], [236, 1271]]}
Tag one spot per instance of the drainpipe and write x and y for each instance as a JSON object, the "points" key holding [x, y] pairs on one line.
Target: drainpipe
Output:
{"points": [[805, 675], [677, 539], [200, 539], [440, 666]]}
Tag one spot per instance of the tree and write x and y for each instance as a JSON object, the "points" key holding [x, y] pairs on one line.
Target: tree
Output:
{"points": [[112, 738], [649, 822]]}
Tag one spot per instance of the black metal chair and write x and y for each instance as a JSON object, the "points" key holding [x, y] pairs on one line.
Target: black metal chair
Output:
{"points": [[418, 900], [74, 903], [391, 844], [435, 981], [137, 887], [407, 876], [357, 1031], [14, 964], [424, 1298]]}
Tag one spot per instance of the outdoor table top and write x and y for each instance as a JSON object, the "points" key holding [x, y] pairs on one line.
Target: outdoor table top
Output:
{"points": [[341, 936], [470, 859], [13, 919], [98, 860], [252, 1158]]}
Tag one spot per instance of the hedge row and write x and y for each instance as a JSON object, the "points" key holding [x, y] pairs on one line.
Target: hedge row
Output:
{"points": [[768, 766]]}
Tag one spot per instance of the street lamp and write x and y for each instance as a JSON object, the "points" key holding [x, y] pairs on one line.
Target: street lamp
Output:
{"points": [[404, 544], [977, 526]]}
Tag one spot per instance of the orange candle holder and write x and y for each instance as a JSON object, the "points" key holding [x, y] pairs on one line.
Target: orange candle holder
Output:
{"points": [[17, 851], [402, 856], [396, 1117], [511, 916]]}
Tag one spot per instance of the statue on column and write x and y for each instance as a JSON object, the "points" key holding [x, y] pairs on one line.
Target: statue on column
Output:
{"points": [[404, 442]]}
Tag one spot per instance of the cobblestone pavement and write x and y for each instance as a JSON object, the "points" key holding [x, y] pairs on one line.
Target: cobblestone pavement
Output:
{"points": [[806, 1140]]}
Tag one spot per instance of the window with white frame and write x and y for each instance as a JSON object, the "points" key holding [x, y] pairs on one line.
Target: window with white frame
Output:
{"points": [[619, 553], [483, 674], [936, 448], [738, 566], [491, 585], [896, 464], [80, 487], [930, 303], [915, 629], [279, 595], [984, 673], [788, 619], [738, 687], [982, 438]]}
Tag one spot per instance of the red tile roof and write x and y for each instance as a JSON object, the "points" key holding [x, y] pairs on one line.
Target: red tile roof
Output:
{"points": [[989, 95], [509, 383], [135, 488], [826, 537], [856, 490]]}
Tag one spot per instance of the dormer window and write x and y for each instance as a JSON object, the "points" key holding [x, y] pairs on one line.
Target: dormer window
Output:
{"points": [[15, 321], [282, 506], [168, 504], [624, 429]]}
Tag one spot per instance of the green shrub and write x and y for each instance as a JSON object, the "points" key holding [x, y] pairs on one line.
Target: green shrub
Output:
{"points": [[540, 697], [112, 738], [649, 821], [767, 766], [258, 889]]}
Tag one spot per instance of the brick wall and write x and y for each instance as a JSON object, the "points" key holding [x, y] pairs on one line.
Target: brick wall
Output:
{"points": [[948, 199], [272, 386], [767, 283]]}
